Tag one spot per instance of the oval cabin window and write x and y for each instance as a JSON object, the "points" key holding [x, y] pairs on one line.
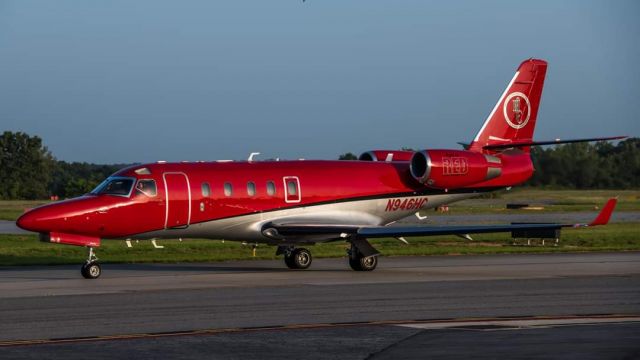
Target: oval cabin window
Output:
{"points": [[271, 188], [251, 188], [206, 190]]}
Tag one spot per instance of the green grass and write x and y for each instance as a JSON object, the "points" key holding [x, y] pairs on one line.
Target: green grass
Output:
{"points": [[12, 209], [550, 201], [27, 250]]}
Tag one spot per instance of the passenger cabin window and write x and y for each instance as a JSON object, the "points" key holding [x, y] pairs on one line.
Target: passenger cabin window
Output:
{"points": [[114, 186], [206, 190], [251, 188], [146, 187], [228, 189], [292, 189], [271, 188]]}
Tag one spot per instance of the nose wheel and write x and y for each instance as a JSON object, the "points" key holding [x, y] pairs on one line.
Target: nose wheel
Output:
{"points": [[91, 269]]}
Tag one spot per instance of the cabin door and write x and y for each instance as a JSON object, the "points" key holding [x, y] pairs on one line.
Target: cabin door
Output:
{"points": [[178, 200], [292, 192]]}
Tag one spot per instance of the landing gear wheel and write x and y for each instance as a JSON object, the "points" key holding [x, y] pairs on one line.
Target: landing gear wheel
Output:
{"points": [[288, 260], [368, 263], [299, 258], [362, 263], [91, 270]]}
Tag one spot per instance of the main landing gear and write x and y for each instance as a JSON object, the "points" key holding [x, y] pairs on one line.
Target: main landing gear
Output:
{"points": [[359, 262], [91, 269], [297, 258], [362, 256]]}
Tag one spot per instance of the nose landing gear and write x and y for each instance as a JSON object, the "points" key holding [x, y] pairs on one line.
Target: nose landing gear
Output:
{"points": [[91, 269]]}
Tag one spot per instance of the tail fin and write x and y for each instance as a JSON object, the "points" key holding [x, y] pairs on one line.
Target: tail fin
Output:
{"points": [[513, 118]]}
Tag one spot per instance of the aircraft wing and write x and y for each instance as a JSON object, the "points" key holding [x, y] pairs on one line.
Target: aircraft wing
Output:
{"points": [[284, 231]]}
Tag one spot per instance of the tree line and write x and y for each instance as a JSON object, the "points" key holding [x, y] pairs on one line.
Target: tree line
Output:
{"points": [[600, 165], [28, 170]]}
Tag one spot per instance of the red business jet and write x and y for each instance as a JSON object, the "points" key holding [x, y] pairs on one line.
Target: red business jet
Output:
{"points": [[295, 203]]}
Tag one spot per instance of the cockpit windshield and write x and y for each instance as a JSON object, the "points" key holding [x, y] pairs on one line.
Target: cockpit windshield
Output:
{"points": [[114, 186]]}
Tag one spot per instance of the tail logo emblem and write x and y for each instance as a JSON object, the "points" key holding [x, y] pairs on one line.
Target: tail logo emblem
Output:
{"points": [[516, 110]]}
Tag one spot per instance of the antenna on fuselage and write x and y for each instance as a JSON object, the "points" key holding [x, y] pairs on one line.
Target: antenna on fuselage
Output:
{"points": [[250, 159]]}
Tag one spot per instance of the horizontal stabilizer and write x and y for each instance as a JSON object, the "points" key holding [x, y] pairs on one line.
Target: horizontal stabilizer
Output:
{"points": [[516, 144]]}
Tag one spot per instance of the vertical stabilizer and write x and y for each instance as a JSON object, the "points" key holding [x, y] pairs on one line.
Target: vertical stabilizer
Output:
{"points": [[513, 118]]}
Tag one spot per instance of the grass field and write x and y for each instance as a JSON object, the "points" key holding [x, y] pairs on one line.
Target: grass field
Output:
{"points": [[12, 209], [27, 250], [550, 201]]}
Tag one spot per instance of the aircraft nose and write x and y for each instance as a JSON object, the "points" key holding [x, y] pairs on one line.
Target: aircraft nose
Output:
{"points": [[29, 221], [70, 216], [42, 219]]}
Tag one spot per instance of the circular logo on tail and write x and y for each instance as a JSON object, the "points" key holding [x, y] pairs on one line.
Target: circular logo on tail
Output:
{"points": [[516, 110]]}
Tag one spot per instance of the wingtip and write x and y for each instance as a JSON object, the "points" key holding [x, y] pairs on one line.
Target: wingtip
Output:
{"points": [[605, 214]]}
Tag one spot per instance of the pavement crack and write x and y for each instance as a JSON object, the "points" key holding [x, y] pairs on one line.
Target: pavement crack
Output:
{"points": [[393, 345]]}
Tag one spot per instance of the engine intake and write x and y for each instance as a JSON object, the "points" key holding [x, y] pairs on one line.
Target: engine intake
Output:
{"points": [[447, 169]]}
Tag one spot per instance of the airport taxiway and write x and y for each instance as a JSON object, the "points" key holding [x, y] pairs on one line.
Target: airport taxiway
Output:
{"points": [[53, 302]]}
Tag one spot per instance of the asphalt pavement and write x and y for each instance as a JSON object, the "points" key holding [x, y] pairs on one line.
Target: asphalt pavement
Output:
{"points": [[258, 309]]}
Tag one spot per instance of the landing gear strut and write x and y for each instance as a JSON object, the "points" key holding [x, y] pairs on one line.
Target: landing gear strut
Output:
{"points": [[91, 269], [359, 262], [297, 258]]}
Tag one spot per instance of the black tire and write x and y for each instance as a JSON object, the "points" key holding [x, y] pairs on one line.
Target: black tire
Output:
{"points": [[288, 260], [91, 270], [300, 259], [354, 263], [361, 263]]}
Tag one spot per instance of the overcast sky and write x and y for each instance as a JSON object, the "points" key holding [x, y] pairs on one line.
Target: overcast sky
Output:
{"points": [[136, 81]]}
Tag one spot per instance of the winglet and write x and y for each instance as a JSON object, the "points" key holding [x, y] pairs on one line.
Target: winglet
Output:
{"points": [[605, 214]]}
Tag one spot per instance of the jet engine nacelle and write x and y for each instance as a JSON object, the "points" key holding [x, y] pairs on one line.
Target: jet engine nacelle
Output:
{"points": [[450, 169], [386, 155]]}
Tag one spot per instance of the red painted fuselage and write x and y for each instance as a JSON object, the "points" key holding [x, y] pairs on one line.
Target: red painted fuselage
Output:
{"points": [[231, 200]]}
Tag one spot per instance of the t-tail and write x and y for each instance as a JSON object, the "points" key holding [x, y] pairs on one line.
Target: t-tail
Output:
{"points": [[512, 121], [513, 118]]}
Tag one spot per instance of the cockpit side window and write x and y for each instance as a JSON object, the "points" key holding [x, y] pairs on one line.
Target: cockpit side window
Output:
{"points": [[114, 186], [146, 187]]}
